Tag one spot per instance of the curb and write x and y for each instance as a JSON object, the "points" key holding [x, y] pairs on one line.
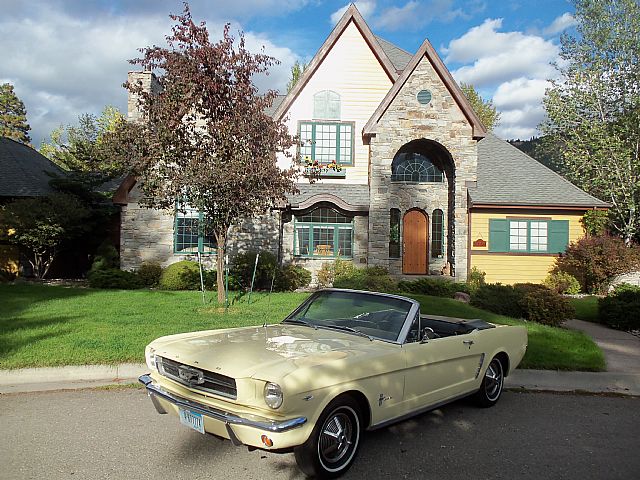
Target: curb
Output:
{"points": [[88, 376]]}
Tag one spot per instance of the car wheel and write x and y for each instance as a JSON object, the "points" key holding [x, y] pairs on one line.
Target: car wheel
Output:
{"points": [[492, 384], [333, 443]]}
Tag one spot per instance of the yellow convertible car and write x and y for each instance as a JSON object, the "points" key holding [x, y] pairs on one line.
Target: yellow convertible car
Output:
{"points": [[343, 362]]}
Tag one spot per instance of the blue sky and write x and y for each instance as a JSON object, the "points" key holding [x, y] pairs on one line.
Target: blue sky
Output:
{"points": [[68, 57]]}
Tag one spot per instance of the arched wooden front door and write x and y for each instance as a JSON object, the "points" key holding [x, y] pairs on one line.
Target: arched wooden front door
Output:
{"points": [[415, 233]]}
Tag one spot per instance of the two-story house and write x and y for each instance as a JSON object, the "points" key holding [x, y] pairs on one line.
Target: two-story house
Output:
{"points": [[410, 178]]}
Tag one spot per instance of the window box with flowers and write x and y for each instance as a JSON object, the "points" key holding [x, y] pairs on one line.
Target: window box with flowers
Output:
{"points": [[319, 170]]}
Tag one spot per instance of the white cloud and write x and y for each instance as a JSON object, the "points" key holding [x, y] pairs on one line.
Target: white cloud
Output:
{"points": [[560, 24], [513, 65], [394, 18], [63, 66], [365, 7]]}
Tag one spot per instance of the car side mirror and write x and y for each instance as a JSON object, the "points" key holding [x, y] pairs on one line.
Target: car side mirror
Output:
{"points": [[427, 334]]}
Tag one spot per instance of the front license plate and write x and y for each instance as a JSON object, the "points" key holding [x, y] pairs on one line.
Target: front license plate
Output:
{"points": [[192, 420]]}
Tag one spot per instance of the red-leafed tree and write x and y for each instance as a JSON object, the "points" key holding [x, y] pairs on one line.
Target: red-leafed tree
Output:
{"points": [[205, 139]]}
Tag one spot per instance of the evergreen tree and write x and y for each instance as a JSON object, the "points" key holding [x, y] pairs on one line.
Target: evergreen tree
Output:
{"points": [[13, 115]]}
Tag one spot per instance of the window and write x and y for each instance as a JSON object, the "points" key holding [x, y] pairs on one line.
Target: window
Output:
{"points": [[323, 232], [414, 168], [528, 235], [394, 233], [191, 235], [326, 105], [437, 233], [327, 141]]}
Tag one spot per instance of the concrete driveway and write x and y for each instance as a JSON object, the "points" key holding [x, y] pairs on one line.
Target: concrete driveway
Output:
{"points": [[116, 434]]}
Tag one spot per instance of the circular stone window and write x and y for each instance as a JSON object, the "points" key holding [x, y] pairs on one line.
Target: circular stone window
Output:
{"points": [[424, 97]]}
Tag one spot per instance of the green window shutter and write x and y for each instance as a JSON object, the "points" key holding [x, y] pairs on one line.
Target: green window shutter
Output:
{"points": [[498, 235], [558, 236]]}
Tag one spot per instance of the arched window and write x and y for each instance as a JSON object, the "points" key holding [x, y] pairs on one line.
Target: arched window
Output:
{"points": [[414, 168], [323, 232], [326, 105], [437, 233], [394, 233]]}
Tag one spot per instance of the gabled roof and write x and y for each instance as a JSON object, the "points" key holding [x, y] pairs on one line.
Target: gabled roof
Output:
{"points": [[508, 176], [23, 171], [352, 199], [351, 15], [427, 50]]}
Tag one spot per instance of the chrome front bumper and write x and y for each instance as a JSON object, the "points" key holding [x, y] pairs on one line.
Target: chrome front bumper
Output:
{"points": [[156, 391]]}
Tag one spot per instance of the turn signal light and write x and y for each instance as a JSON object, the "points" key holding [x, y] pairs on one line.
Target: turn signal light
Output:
{"points": [[266, 440]]}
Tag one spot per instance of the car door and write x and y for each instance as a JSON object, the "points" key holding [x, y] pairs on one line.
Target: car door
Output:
{"points": [[441, 368]]}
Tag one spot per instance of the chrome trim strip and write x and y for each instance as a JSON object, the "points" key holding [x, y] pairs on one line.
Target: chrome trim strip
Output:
{"points": [[216, 414], [418, 412]]}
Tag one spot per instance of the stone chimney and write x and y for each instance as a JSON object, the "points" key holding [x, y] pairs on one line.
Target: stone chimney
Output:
{"points": [[149, 84]]}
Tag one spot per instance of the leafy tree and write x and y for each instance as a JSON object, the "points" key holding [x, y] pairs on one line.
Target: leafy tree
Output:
{"points": [[544, 149], [13, 115], [593, 109], [296, 72], [40, 225], [81, 148], [205, 139], [485, 109]]}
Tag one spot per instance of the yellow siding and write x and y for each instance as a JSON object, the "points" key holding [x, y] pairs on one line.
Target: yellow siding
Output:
{"points": [[352, 70], [509, 269]]}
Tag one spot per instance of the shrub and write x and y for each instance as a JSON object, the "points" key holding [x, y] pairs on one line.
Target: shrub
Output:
{"points": [[476, 278], [594, 260], [562, 282], [106, 257], [376, 279], [243, 265], [331, 271], [621, 309], [434, 287], [114, 278], [291, 277], [182, 275], [543, 305], [498, 298], [523, 300], [149, 273]]}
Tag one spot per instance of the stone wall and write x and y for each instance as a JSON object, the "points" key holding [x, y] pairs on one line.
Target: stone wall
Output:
{"points": [[441, 121], [148, 234]]}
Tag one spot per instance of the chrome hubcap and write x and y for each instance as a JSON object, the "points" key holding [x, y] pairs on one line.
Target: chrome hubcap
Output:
{"points": [[493, 380], [336, 438]]}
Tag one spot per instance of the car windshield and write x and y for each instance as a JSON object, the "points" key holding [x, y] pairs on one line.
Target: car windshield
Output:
{"points": [[359, 313]]}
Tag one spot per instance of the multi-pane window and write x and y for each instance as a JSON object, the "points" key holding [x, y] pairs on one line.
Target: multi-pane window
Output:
{"points": [[327, 141], [326, 105], [538, 236], [414, 168], [394, 233], [518, 235], [192, 234], [437, 233], [528, 235], [323, 232]]}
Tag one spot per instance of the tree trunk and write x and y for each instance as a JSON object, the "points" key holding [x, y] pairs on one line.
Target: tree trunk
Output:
{"points": [[221, 238]]}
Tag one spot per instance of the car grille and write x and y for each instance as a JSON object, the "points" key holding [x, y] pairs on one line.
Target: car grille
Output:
{"points": [[213, 382]]}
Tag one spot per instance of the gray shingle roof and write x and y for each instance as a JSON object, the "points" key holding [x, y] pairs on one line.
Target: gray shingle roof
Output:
{"points": [[23, 171], [355, 195], [399, 57], [274, 106], [507, 176]]}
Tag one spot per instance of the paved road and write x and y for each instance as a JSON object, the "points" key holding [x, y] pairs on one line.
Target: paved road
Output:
{"points": [[116, 434]]}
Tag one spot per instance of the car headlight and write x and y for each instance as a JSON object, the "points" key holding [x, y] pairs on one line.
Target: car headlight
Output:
{"points": [[273, 395], [150, 357]]}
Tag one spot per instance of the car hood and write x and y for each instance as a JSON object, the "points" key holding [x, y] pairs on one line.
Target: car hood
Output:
{"points": [[266, 353]]}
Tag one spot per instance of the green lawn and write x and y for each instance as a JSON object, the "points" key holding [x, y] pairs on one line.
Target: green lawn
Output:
{"points": [[48, 326], [586, 308]]}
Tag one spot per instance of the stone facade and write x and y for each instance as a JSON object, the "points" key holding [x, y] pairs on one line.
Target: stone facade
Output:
{"points": [[148, 235], [441, 121]]}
